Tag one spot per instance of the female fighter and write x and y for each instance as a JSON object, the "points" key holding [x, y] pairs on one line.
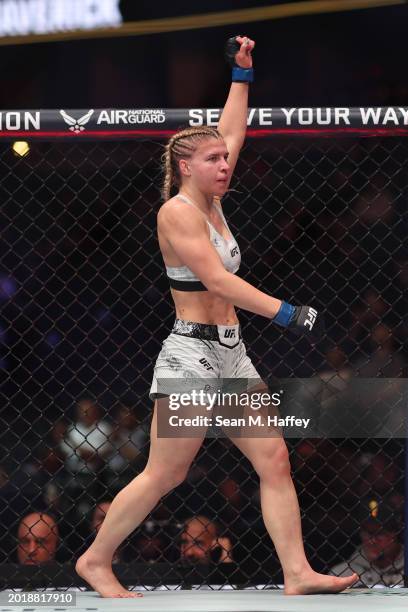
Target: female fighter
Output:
{"points": [[201, 258]]}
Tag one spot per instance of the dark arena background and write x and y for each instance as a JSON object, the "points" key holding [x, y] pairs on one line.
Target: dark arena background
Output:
{"points": [[319, 207]]}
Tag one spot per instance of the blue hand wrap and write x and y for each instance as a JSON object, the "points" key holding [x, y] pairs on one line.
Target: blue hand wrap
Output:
{"points": [[242, 75], [285, 314]]}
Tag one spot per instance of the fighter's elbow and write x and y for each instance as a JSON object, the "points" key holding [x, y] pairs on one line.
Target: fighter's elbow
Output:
{"points": [[217, 284]]}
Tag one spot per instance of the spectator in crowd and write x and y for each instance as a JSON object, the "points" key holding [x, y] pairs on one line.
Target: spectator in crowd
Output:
{"points": [[367, 313], [128, 440], [336, 369], [85, 448], [151, 544], [380, 558], [98, 516], [51, 454], [19, 482], [201, 542], [350, 406], [380, 473], [385, 359], [52, 465], [38, 539], [240, 502], [86, 442]]}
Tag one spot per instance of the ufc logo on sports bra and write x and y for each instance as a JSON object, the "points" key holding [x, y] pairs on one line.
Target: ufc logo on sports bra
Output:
{"points": [[234, 251], [229, 333], [311, 318]]}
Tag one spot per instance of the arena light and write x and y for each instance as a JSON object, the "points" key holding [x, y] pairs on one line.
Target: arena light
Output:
{"points": [[21, 148]]}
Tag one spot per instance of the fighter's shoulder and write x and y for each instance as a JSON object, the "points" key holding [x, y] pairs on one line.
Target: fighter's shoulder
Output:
{"points": [[178, 215]]}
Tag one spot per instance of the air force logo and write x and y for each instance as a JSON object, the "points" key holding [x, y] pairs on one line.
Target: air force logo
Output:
{"points": [[76, 125]]}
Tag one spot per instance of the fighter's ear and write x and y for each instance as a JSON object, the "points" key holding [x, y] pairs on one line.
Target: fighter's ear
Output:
{"points": [[184, 168]]}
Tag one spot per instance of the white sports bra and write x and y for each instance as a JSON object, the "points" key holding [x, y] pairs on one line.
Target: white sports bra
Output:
{"points": [[183, 279]]}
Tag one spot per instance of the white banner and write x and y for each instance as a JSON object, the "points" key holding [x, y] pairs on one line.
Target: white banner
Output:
{"points": [[20, 17]]}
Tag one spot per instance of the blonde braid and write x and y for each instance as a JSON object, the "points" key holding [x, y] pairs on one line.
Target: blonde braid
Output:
{"points": [[168, 172], [182, 146]]}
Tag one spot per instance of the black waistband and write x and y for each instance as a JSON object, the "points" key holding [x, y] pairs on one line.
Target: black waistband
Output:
{"points": [[200, 330]]}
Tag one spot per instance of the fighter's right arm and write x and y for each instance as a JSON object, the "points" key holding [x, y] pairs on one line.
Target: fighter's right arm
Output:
{"points": [[187, 234]]}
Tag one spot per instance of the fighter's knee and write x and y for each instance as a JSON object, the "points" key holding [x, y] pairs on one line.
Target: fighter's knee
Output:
{"points": [[273, 462]]}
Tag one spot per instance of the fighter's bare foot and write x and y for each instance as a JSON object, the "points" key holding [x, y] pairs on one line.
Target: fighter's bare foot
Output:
{"points": [[312, 582], [101, 577]]}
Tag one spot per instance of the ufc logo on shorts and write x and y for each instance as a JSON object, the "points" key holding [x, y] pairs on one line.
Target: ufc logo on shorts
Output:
{"points": [[234, 251], [229, 333], [205, 363], [311, 318]]}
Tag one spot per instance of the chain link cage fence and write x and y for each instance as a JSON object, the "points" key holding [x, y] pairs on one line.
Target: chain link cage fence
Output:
{"points": [[85, 305]]}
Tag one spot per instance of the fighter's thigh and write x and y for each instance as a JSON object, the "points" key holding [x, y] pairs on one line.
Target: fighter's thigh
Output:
{"points": [[170, 454]]}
